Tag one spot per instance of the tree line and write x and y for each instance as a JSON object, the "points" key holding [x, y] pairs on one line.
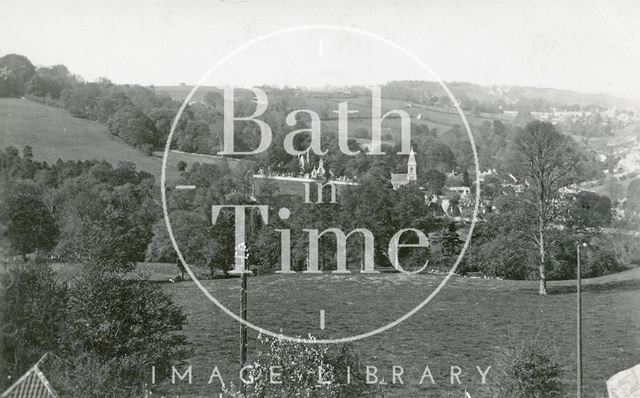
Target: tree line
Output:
{"points": [[142, 118], [96, 322]]}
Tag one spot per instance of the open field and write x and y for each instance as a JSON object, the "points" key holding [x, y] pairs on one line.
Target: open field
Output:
{"points": [[462, 326], [473, 91], [324, 105], [237, 166], [54, 134]]}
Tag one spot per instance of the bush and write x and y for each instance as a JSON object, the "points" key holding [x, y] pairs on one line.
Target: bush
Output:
{"points": [[601, 262], [31, 315], [125, 327], [626, 250], [505, 256], [29, 222], [599, 258], [182, 165], [529, 371], [105, 331], [85, 377], [299, 365], [111, 239], [147, 149]]}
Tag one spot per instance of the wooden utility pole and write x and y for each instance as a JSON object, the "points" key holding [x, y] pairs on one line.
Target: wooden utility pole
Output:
{"points": [[243, 327], [243, 314], [242, 251], [579, 326]]}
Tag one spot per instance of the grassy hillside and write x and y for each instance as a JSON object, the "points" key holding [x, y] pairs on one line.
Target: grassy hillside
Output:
{"points": [[54, 134], [462, 326], [237, 166], [557, 96], [325, 103], [477, 92]]}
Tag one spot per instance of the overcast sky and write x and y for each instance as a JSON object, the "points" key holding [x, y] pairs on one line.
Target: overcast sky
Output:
{"points": [[578, 45]]}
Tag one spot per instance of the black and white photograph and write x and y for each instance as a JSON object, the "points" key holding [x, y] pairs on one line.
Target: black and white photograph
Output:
{"points": [[319, 198]]}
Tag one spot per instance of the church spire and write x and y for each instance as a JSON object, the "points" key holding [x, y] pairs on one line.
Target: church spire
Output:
{"points": [[412, 158], [412, 175], [321, 171]]}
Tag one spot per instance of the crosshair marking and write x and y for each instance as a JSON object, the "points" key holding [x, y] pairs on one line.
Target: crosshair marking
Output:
{"points": [[185, 187], [321, 319]]}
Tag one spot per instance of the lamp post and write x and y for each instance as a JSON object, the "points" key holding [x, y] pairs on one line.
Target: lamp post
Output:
{"points": [[579, 321]]}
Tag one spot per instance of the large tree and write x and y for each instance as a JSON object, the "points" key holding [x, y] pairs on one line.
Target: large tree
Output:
{"points": [[126, 326], [433, 181], [545, 161], [28, 220], [106, 216], [15, 71], [191, 231], [588, 211], [50, 81], [32, 317]]}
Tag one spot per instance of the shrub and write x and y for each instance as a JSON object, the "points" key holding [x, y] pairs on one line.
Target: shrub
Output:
{"points": [[85, 377], [529, 371], [299, 365], [626, 250], [147, 149], [599, 258], [105, 331], [29, 222], [601, 262], [31, 315], [126, 326], [505, 256], [182, 165], [111, 239]]}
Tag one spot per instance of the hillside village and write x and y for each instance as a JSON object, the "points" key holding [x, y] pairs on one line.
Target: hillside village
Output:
{"points": [[441, 205], [611, 134]]}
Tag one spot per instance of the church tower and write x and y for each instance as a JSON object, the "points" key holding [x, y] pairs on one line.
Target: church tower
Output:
{"points": [[412, 174]]}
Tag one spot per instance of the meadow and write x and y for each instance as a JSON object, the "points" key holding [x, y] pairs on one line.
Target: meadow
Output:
{"points": [[464, 325], [324, 104], [55, 134]]}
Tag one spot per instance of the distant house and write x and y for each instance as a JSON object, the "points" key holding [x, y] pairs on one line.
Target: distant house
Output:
{"points": [[484, 174], [292, 184], [441, 206], [436, 209], [33, 384], [462, 190]]}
